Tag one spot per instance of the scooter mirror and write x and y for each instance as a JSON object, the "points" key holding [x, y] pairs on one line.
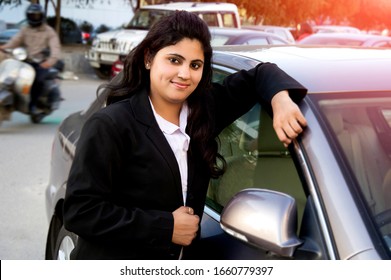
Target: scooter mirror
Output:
{"points": [[19, 54]]}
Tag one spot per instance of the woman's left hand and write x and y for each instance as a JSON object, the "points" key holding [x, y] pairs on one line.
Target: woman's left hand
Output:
{"points": [[288, 121]]}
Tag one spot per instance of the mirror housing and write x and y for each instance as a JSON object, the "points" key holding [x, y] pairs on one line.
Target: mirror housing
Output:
{"points": [[264, 218], [19, 54]]}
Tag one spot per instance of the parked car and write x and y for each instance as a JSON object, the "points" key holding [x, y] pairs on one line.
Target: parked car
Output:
{"points": [[108, 46], [328, 196], [335, 28], [221, 37], [281, 31], [3, 25], [235, 36], [7, 34], [70, 33], [347, 39], [117, 66]]}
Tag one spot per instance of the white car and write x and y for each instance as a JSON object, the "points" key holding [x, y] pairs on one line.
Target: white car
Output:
{"points": [[283, 32], [107, 47]]}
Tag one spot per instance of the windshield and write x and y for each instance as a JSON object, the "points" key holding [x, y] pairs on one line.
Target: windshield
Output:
{"points": [[362, 127], [144, 19]]}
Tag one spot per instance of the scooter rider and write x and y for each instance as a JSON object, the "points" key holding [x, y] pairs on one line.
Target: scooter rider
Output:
{"points": [[36, 37]]}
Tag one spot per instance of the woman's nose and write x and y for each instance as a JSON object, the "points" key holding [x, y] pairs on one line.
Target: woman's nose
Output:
{"points": [[184, 72]]}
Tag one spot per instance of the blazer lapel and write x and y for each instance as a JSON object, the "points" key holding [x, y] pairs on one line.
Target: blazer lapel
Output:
{"points": [[143, 113]]}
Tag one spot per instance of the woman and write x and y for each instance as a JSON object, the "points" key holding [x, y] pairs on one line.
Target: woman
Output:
{"points": [[138, 182]]}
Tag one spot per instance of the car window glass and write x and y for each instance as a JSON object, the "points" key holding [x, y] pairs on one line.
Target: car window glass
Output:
{"points": [[229, 20], [144, 19], [280, 33], [210, 19], [219, 40], [277, 41], [257, 41], [253, 161], [363, 131]]}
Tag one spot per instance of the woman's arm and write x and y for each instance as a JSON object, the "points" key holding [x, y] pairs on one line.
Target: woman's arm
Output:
{"points": [[267, 84], [288, 121]]}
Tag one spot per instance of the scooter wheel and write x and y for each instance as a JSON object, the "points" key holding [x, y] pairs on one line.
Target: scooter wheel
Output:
{"points": [[37, 118]]}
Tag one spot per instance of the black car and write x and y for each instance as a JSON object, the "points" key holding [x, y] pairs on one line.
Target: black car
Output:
{"points": [[70, 32], [326, 197]]}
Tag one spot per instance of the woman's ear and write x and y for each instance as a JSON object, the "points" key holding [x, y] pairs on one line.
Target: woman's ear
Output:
{"points": [[147, 60]]}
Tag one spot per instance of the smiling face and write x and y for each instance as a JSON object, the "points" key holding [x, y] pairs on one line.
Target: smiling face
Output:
{"points": [[175, 72]]}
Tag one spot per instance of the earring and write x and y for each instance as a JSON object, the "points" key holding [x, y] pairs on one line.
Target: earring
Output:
{"points": [[147, 66]]}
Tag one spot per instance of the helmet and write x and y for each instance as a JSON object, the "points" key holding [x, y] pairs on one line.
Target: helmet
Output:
{"points": [[35, 15]]}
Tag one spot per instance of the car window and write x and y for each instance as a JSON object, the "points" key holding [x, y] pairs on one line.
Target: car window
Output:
{"points": [[281, 33], [229, 20], [277, 41], [362, 127], [257, 41], [255, 159], [210, 19], [219, 40], [143, 19]]}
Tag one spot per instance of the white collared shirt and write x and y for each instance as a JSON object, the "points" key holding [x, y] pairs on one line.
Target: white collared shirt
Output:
{"points": [[179, 141]]}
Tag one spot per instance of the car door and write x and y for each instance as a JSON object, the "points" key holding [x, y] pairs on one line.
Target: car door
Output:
{"points": [[255, 159]]}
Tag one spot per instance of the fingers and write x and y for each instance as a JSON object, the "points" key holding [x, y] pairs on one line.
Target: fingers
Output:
{"points": [[289, 126], [185, 209], [288, 121], [185, 225]]}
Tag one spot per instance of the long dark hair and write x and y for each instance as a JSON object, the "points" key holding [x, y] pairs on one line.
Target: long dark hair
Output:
{"points": [[168, 31]]}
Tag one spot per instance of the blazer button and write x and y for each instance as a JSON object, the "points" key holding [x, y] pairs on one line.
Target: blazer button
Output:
{"points": [[153, 241]]}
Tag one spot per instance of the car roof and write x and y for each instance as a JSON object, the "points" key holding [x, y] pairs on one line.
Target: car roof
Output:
{"points": [[322, 69], [346, 39], [194, 6], [262, 27], [282, 31], [236, 32], [336, 28], [346, 35]]}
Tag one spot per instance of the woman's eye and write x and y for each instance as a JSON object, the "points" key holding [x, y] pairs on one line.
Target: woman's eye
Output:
{"points": [[195, 66], [173, 60]]}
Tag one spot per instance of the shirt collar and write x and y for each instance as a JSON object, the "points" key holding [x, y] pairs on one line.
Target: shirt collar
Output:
{"points": [[168, 127]]}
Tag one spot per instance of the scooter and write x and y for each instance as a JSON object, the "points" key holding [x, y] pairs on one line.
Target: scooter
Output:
{"points": [[16, 79]]}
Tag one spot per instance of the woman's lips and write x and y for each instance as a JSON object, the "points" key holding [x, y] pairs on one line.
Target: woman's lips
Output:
{"points": [[181, 85]]}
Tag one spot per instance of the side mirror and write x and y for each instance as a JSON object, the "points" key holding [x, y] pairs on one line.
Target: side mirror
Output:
{"points": [[264, 218]]}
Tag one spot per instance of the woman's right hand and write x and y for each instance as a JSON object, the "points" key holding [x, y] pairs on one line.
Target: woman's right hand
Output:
{"points": [[185, 226]]}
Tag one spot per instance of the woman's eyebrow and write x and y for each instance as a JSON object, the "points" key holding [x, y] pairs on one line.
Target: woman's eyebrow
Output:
{"points": [[183, 58]]}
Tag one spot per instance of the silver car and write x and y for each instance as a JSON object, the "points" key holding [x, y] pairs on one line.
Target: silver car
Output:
{"points": [[347, 39], [328, 196]]}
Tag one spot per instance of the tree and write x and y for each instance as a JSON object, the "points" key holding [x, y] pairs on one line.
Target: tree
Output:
{"points": [[10, 2], [360, 13], [364, 14], [56, 4]]}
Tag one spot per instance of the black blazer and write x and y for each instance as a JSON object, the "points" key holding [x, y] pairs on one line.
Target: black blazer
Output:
{"points": [[125, 183]]}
